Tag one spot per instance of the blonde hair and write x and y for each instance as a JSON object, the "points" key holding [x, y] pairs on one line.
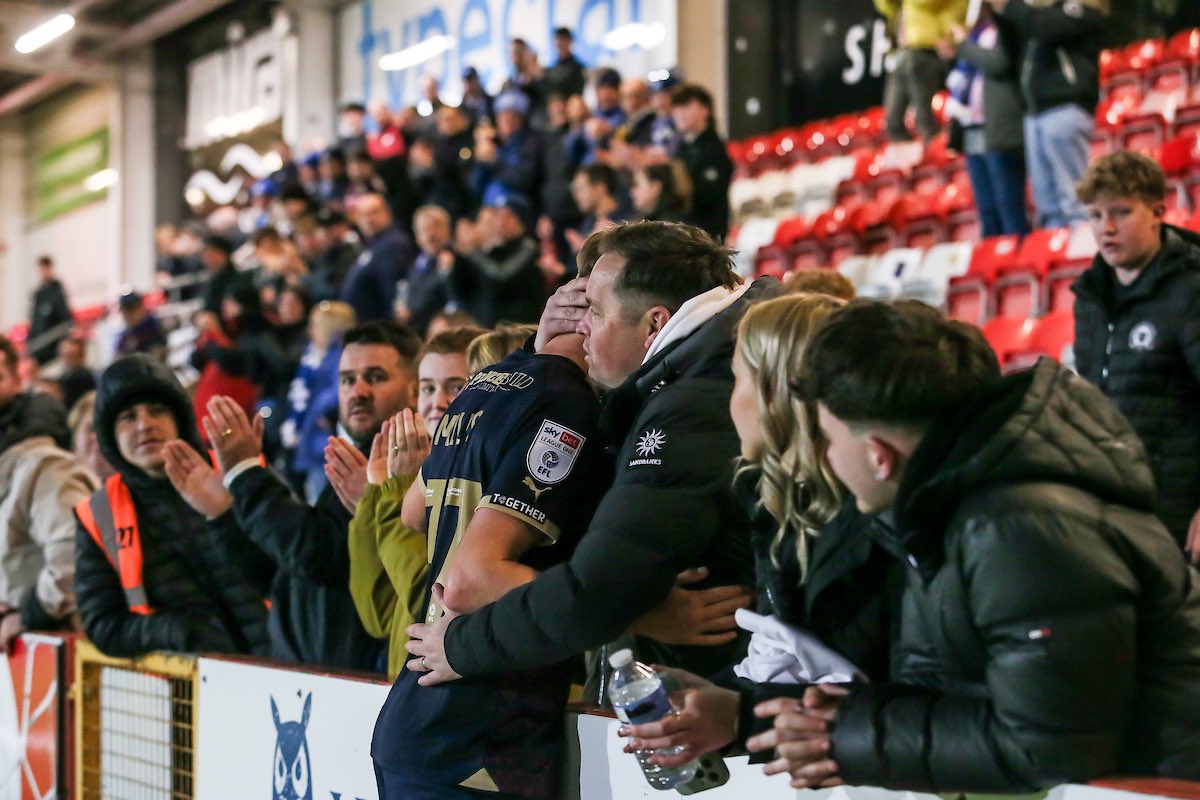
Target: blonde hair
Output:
{"points": [[330, 318], [495, 346], [83, 408], [797, 486]]}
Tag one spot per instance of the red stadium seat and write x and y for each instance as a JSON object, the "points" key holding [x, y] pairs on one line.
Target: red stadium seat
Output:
{"points": [[1051, 337], [1017, 291], [1008, 336], [1179, 61], [1195, 223], [967, 297]]}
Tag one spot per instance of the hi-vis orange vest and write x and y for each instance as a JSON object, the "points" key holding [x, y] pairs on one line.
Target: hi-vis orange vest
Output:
{"points": [[109, 516]]}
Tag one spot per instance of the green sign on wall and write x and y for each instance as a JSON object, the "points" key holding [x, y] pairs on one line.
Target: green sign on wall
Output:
{"points": [[59, 175]]}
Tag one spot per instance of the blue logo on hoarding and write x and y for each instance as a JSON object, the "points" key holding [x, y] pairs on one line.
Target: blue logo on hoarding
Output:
{"points": [[292, 771]]}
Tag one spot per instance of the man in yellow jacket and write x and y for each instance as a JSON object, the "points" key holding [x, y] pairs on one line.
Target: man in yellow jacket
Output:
{"points": [[918, 72]]}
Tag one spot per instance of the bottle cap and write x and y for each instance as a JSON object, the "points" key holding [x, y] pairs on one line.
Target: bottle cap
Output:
{"points": [[620, 658]]}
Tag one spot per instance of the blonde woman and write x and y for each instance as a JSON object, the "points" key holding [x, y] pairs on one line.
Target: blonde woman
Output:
{"points": [[312, 396], [816, 568], [495, 346]]}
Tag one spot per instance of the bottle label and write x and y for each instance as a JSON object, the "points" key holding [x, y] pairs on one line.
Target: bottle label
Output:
{"points": [[650, 708]]}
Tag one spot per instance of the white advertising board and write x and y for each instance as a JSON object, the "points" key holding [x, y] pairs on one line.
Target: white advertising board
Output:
{"points": [[481, 31], [270, 733]]}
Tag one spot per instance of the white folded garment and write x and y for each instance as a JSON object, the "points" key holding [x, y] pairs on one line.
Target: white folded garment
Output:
{"points": [[779, 653]]}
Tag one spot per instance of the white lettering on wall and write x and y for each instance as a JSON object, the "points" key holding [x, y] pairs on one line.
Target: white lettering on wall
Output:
{"points": [[860, 51], [235, 90]]}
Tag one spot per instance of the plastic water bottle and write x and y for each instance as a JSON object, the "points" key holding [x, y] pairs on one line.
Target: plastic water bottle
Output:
{"points": [[638, 696]]}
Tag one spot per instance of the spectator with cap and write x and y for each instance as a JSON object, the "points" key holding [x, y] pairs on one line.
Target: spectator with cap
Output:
{"points": [[475, 98], [607, 83], [257, 215], [704, 155], [50, 315], [216, 256], [500, 279], [331, 190], [664, 138], [352, 118], [568, 75], [308, 177], [143, 333], [370, 285], [508, 157]]}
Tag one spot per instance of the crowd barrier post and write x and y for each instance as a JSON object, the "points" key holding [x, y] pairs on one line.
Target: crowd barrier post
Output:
{"points": [[135, 725]]}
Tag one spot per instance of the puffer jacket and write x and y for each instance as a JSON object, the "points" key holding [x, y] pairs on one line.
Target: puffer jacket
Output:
{"points": [[925, 21], [849, 599], [671, 507], [1145, 355], [204, 580], [1063, 40], [1050, 627], [40, 483]]}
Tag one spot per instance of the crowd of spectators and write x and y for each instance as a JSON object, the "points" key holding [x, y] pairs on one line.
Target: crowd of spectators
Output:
{"points": [[1014, 59], [480, 399]]}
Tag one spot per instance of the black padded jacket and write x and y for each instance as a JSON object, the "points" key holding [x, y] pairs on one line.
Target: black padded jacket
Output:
{"points": [[671, 507], [1050, 627], [1142, 348], [204, 580]]}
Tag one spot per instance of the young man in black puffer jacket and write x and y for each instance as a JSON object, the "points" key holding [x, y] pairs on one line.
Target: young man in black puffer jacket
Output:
{"points": [[152, 571], [1050, 629], [1137, 327]]}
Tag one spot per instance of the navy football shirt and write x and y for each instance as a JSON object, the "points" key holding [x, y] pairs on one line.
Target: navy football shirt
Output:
{"points": [[521, 439]]}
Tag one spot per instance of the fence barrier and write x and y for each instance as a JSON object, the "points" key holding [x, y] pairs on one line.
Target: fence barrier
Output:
{"points": [[75, 723]]}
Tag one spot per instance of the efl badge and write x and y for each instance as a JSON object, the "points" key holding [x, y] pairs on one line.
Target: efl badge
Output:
{"points": [[553, 452]]}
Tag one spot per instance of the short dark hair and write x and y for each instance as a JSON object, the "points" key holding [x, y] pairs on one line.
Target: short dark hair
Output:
{"points": [[401, 338], [687, 92], [901, 364], [8, 354], [674, 196], [565, 33], [217, 242], [666, 263], [45, 261], [596, 174]]}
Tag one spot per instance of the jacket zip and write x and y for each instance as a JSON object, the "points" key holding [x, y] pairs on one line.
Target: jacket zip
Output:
{"points": [[1068, 68], [1108, 348]]}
